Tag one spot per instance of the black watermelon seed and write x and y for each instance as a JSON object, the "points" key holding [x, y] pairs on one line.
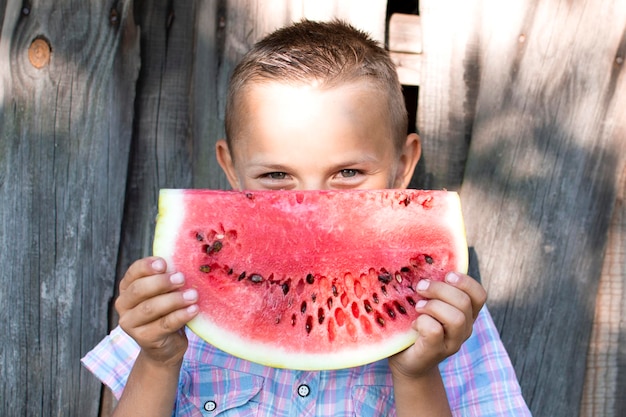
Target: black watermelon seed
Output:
{"points": [[375, 298], [390, 312], [399, 307], [199, 237], [368, 306], [329, 302], [230, 271], [205, 268], [310, 279], [405, 269], [383, 289], [428, 259], [241, 276], [320, 315], [380, 320], [217, 246], [309, 324], [411, 301], [293, 319], [384, 277], [335, 292], [303, 307], [285, 288]]}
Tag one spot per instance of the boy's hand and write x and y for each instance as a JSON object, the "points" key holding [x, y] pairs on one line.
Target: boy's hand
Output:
{"points": [[153, 309], [445, 323]]}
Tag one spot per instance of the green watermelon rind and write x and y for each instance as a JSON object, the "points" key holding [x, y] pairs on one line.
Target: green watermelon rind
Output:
{"points": [[167, 229]]}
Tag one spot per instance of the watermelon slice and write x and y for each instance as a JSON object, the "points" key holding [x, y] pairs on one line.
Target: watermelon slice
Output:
{"points": [[309, 280]]}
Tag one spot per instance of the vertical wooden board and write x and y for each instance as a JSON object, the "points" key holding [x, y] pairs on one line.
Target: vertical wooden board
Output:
{"points": [[448, 89], [604, 389], [367, 15], [162, 146], [540, 182], [65, 122], [210, 71]]}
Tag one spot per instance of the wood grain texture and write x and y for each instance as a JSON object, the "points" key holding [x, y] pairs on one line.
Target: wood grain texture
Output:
{"points": [[162, 147], [65, 134], [603, 393], [540, 182], [447, 93]]}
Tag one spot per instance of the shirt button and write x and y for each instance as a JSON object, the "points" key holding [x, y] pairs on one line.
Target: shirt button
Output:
{"points": [[210, 406], [304, 390]]}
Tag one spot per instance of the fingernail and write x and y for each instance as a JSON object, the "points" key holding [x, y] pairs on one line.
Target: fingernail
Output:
{"points": [[452, 278], [423, 285], [177, 278], [192, 309], [158, 265], [190, 295], [420, 304]]}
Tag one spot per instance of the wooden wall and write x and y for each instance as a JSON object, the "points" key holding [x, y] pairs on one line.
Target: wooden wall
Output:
{"points": [[521, 109], [531, 120]]}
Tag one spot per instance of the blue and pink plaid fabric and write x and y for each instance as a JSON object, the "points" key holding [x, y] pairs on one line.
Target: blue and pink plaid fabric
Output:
{"points": [[479, 381]]}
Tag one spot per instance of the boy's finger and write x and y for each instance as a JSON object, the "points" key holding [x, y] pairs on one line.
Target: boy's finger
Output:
{"points": [[471, 287], [431, 334], [448, 294], [142, 268], [456, 324], [145, 288], [156, 309]]}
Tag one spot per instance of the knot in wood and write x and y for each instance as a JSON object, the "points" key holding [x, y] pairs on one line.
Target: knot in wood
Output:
{"points": [[39, 53]]}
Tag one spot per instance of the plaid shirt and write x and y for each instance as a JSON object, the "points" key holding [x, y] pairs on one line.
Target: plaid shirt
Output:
{"points": [[479, 381]]}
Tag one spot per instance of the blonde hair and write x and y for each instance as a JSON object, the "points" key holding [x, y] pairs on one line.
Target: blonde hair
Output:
{"points": [[330, 53]]}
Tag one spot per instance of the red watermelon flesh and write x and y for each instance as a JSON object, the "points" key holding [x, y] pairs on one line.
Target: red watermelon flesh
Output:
{"points": [[309, 279]]}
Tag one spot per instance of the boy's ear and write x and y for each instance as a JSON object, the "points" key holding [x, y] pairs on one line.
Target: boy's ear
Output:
{"points": [[225, 159], [409, 156]]}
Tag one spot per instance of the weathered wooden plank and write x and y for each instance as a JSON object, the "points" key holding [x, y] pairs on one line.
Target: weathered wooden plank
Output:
{"points": [[405, 33], [540, 181], [603, 391], [448, 89], [405, 47], [162, 147], [65, 123]]}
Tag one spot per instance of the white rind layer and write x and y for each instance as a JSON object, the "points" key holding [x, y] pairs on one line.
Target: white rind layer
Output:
{"points": [[275, 357], [168, 223]]}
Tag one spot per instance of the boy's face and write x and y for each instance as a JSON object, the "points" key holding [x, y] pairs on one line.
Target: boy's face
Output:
{"points": [[302, 137]]}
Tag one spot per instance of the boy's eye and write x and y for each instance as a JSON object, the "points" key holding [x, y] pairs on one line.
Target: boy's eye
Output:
{"points": [[348, 173], [276, 175]]}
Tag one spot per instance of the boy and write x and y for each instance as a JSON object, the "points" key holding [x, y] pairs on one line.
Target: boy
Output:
{"points": [[312, 106]]}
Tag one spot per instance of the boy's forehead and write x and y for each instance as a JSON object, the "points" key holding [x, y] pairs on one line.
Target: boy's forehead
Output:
{"points": [[298, 102], [355, 95], [275, 114]]}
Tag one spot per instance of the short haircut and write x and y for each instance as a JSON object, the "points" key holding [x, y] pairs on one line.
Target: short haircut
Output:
{"points": [[331, 53]]}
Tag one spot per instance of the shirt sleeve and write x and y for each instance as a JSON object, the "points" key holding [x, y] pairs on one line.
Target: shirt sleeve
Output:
{"points": [[112, 360], [479, 378]]}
